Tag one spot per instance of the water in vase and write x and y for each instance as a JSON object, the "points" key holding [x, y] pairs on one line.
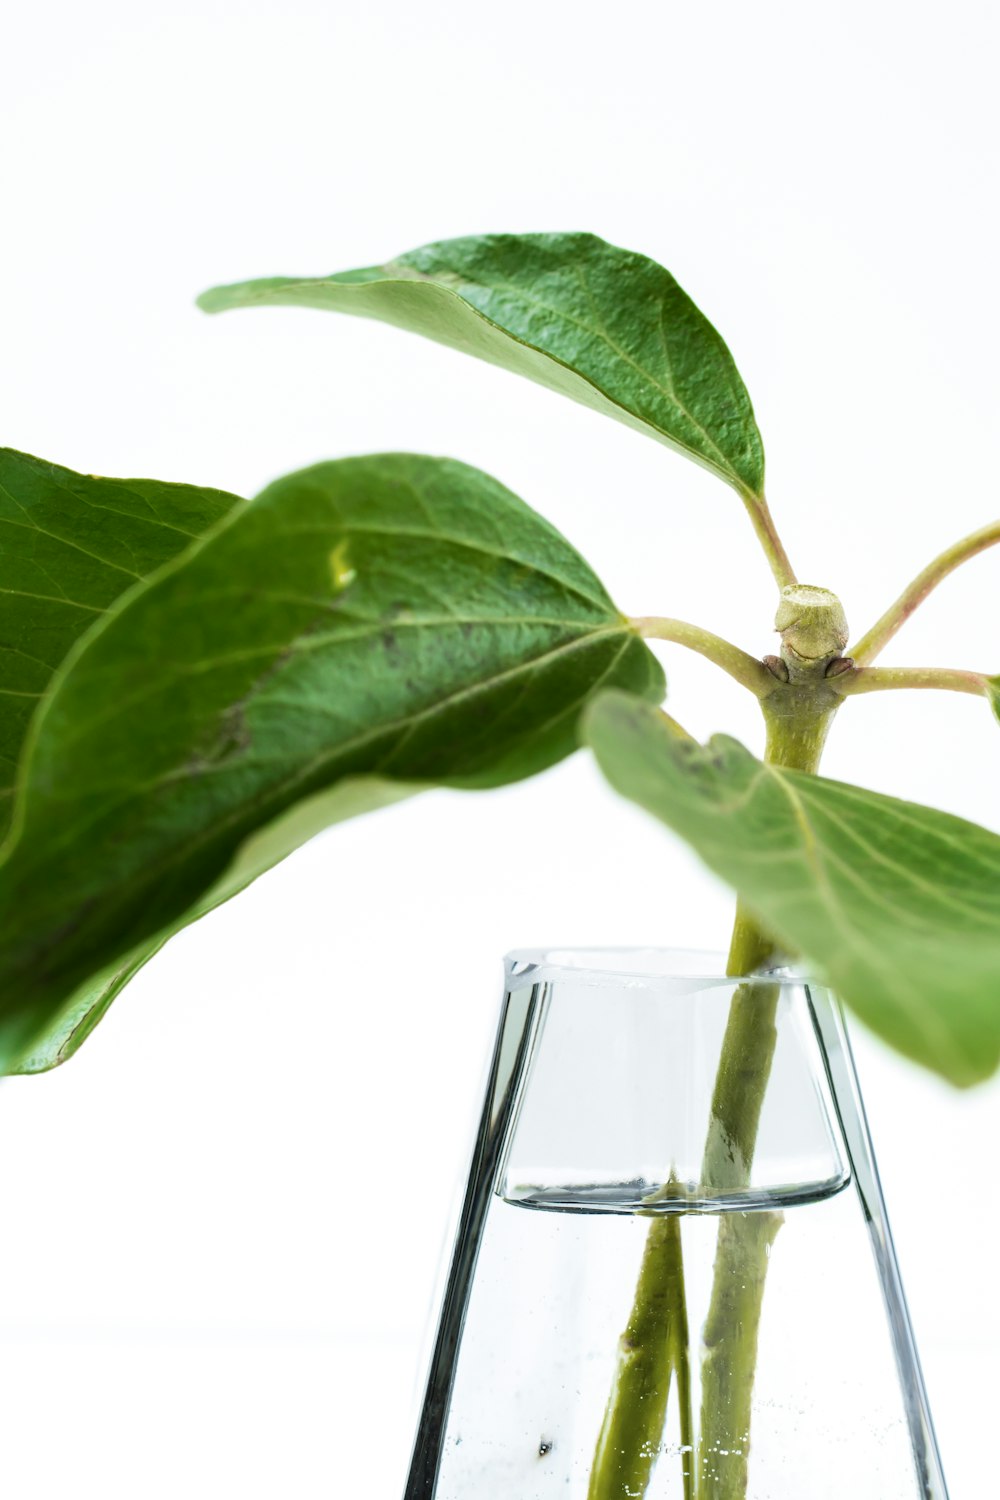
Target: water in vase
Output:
{"points": [[790, 1371]]}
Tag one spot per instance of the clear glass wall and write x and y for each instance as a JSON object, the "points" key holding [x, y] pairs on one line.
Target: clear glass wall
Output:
{"points": [[651, 1296]]}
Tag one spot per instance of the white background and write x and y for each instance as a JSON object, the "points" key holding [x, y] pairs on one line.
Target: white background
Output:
{"points": [[221, 1221]]}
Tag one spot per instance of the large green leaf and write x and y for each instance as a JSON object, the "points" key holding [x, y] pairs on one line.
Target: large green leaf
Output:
{"points": [[68, 1028], [896, 905], [364, 625], [70, 545], [605, 326]]}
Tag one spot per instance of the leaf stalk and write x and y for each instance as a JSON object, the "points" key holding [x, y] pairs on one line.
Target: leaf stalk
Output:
{"points": [[740, 665], [882, 679], [767, 535], [882, 632]]}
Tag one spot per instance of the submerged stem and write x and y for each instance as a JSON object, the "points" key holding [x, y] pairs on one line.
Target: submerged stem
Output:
{"points": [[682, 1369], [657, 1329], [730, 1358], [729, 1337]]}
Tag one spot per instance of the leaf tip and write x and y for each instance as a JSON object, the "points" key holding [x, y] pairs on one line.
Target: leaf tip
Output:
{"points": [[212, 301]]}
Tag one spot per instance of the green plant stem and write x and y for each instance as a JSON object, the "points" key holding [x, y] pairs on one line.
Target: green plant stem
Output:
{"points": [[767, 535], [746, 669], [797, 712], [729, 1360], [744, 1062], [795, 738], [653, 1347], [916, 592], [729, 1337], [881, 679], [682, 1369]]}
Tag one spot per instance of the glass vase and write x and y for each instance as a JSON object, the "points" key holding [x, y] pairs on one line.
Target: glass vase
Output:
{"points": [[655, 1291]]}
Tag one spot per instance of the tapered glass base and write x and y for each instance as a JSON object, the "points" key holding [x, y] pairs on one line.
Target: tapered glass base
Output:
{"points": [[645, 1301]]}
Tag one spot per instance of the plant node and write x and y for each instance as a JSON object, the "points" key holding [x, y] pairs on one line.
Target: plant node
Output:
{"points": [[813, 629]]}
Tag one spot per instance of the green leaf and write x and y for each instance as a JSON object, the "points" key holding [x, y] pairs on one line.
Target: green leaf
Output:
{"points": [[70, 545], [363, 627], [897, 906], [607, 327], [69, 1028]]}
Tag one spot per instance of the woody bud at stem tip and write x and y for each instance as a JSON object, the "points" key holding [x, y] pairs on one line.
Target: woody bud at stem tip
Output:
{"points": [[813, 629]]}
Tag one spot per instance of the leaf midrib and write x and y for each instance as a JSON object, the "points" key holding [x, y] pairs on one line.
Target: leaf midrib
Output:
{"points": [[855, 940], [668, 391], [153, 518], [317, 761], [855, 937], [976, 915], [725, 470], [305, 645]]}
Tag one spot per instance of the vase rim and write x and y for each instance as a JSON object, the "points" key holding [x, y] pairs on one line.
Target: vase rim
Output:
{"points": [[636, 967]]}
